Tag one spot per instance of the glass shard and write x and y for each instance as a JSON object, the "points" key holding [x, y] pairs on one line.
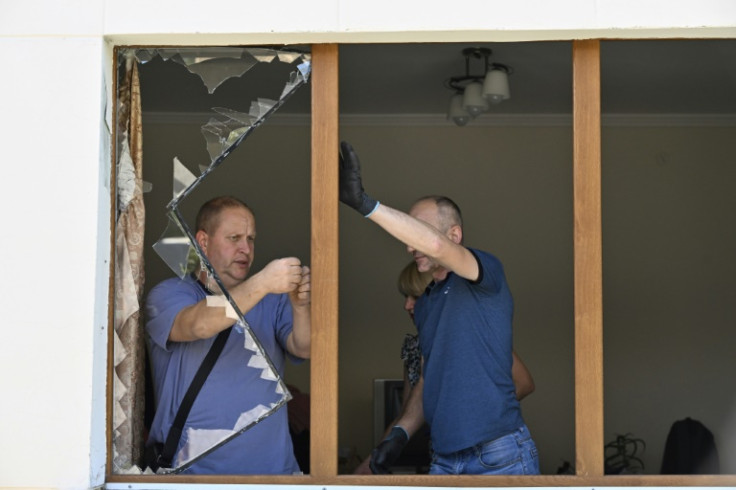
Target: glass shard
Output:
{"points": [[260, 108], [212, 65], [246, 119], [183, 178], [221, 135], [176, 250], [214, 72], [265, 55]]}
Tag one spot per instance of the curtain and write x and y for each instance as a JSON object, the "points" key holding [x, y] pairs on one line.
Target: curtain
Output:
{"points": [[129, 349]]}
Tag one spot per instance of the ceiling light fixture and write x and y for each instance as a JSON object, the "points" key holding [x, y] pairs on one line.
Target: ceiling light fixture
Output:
{"points": [[474, 94]]}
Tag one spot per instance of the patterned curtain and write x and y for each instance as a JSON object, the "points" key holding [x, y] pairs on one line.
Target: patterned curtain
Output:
{"points": [[129, 347]]}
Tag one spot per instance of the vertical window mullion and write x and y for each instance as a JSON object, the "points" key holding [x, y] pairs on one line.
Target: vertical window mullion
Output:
{"points": [[324, 260], [589, 440]]}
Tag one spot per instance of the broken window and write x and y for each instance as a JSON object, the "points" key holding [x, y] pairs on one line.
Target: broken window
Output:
{"points": [[222, 132]]}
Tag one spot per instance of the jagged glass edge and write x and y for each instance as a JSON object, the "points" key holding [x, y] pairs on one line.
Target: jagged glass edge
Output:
{"points": [[218, 161]]}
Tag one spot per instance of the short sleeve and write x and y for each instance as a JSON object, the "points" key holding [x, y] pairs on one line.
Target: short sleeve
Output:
{"points": [[490, 276], [164, 302]]}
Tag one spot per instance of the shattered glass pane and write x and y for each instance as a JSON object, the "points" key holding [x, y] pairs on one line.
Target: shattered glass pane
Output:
{"points": [[166, 53], [246, 119], [220, 135], [265, 55], [261, 107], [183, 178], [175, 248], [288, 57], [215, 65], [225, 130], [216, 70], [192, 56], [145, 55]]}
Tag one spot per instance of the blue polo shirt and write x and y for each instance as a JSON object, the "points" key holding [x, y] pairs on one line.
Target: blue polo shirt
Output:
{"points": [[466, 340]]}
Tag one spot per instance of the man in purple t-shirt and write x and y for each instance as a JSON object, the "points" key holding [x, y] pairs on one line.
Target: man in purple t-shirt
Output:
{"points": [[185, 316]]}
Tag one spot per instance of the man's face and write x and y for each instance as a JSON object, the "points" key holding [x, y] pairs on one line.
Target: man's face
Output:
{"points": [[230, 248], [428, 212]]}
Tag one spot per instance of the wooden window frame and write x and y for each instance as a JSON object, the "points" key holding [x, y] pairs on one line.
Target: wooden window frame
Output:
{"points": [[589, 438]]}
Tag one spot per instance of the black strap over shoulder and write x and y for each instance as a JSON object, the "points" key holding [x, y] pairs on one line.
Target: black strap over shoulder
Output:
{"points": [[166, 456], [172, 439]]}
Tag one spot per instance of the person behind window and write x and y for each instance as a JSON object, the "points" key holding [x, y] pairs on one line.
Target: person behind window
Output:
{"points": [[465, 335], [411, 284], [182, 326]]}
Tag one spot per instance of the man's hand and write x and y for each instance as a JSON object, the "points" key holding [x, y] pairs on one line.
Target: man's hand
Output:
{"points": [[299, 341], [388, 451], [364, 467], [301, 295], [282, 275], [351, 184]]}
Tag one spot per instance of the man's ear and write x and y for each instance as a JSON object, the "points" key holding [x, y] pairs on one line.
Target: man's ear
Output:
{"points": [[455, 233], [201, 237]]}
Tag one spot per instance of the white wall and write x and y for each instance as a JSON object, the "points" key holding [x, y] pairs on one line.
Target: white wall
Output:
{"points": [[54, 188], [414, 20], [54, 196]]}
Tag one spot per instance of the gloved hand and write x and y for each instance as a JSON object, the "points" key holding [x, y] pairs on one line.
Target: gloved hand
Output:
{"points": [[388, 451], [351, 184]]}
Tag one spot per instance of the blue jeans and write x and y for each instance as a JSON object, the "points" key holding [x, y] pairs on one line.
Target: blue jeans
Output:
{"points": [[512, 454]]}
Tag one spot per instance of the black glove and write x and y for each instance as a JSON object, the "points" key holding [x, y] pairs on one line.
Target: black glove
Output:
{"points": [[388, 451], [351, 185]]}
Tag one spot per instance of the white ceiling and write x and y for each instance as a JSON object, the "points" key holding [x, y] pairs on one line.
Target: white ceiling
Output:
{"points": [[638, 77]]}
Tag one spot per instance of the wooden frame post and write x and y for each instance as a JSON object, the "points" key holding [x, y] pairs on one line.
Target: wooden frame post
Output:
{"points": [[324, 261], [589, 440]]}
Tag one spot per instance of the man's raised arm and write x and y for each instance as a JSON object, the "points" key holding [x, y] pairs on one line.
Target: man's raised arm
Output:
{"points": [[443, 246]]}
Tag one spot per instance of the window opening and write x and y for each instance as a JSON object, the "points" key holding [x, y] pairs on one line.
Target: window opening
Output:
{"points": [[524, 221], [668, 262], [177, 247], [630, 479]]}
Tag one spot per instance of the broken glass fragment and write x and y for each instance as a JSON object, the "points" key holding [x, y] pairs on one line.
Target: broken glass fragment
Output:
{"points": [[183, 178], [215, 71], [176, 250], [215, 65]]}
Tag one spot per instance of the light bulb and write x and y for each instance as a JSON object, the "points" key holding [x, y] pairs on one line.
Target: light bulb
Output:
{"points": [[456, 113], [473, 100], [496, 86]]}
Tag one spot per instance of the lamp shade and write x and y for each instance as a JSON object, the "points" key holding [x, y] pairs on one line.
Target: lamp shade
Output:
{"points": [[496, 86], [473, 100], [457, 113]]}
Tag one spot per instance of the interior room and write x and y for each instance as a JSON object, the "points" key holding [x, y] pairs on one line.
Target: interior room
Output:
{"points": [[668, 148]]}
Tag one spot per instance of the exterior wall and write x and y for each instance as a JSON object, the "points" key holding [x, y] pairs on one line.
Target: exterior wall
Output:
{"points": [[54, 95], [54, 196]]}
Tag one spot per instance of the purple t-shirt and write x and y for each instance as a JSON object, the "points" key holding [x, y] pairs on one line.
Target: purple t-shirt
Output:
{"points": [[231, 389]]}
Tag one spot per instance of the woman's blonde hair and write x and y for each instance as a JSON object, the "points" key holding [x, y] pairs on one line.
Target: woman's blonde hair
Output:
{"points": [[412, 282]]}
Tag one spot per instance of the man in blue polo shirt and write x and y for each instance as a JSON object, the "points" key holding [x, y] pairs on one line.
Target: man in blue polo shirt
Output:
{"points": [[464, 324]]}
